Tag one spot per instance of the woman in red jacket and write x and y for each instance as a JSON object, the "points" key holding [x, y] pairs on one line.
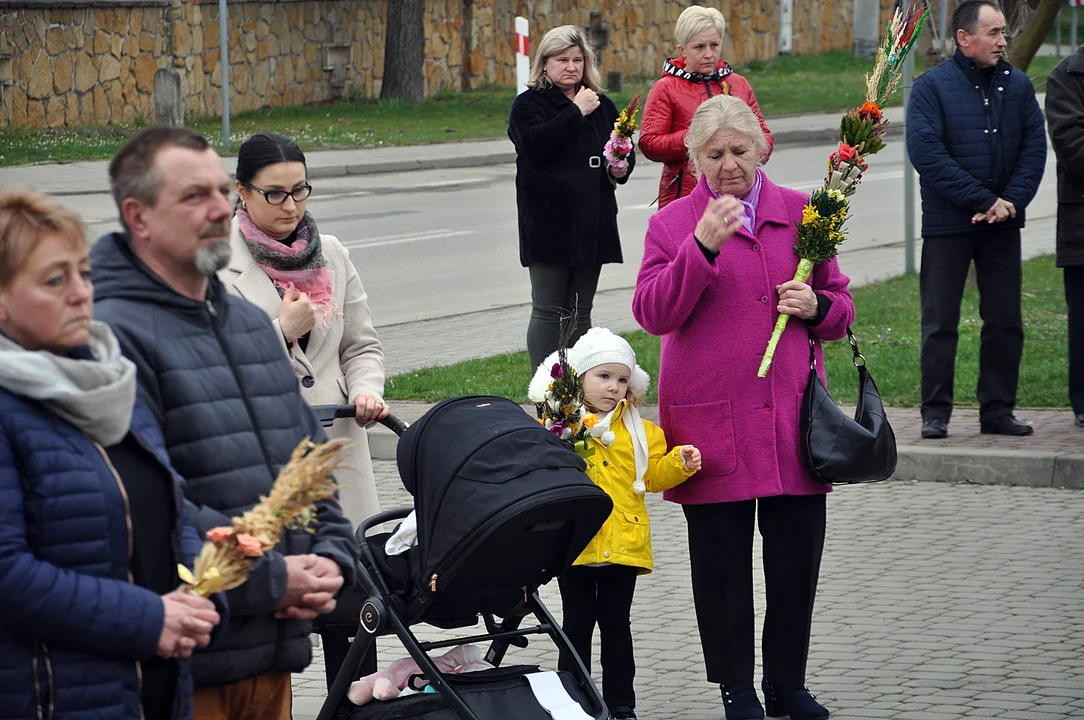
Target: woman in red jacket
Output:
{"points": [[686, 82]]}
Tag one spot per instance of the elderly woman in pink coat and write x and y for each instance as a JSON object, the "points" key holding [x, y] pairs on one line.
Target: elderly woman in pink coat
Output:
{"points": [[716, 273]]}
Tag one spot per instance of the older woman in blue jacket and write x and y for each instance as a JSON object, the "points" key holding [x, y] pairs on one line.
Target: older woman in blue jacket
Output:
{"points": [[94, 622]]}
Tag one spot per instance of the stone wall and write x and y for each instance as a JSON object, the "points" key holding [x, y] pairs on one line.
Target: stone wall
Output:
{"points": [[90, 65], [640, 33], [93, 61]]}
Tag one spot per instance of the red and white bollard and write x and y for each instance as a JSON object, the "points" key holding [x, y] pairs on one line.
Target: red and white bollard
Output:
{"points": [[523, 54]]}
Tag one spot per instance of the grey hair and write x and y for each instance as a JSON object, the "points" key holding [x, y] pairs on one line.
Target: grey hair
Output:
{"points": [[554, 42], [696, 19], [132, 171], [720, 113]]}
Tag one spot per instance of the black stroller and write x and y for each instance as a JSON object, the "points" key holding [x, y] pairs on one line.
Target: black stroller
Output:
{"points": [[502, 507]]}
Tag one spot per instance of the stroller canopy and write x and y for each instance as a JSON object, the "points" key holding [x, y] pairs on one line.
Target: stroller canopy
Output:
{"points": [[473, 463]]}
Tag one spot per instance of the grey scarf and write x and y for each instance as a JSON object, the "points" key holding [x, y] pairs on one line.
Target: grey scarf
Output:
{"points": [[97, 396]]}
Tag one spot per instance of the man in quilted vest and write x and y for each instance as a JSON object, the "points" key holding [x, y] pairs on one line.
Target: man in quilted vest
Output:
{"points": [[975, 134], [212, 371]]}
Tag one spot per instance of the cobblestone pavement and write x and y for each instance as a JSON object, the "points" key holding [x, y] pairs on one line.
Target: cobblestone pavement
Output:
{"points": [[937, 601]]}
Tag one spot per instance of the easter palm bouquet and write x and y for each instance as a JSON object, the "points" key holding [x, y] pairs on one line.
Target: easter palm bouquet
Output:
{"points": [[230, 552], [619, 146], [558, 393], [861, 134]]}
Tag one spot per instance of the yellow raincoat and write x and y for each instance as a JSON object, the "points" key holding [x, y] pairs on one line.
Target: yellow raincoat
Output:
{"points": [[625, 538]]}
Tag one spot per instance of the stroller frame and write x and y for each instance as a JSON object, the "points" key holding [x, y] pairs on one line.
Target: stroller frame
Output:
{"points": [[380, 615]]}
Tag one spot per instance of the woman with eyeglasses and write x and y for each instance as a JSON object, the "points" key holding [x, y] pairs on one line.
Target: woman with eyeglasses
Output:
{"points": [[304, 280]]}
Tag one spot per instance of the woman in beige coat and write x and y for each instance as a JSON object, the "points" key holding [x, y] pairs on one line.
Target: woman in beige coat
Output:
{"points": [[305, 282]]}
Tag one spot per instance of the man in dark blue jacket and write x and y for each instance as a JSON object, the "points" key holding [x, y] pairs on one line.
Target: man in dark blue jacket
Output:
{"points": [[212, 371], [975, 134]]}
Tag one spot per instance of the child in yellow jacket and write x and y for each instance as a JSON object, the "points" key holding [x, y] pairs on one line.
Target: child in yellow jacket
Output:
{"points": [[630, 458]]}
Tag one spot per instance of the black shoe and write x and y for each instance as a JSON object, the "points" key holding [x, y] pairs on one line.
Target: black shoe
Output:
{"points": [[741, 702], [1006, 425], [622, 713], [1079, 420], [935, 428], [798, 704]]}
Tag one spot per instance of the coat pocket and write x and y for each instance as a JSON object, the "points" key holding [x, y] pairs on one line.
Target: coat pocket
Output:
{"points": [[635, 535], [710, 427]]}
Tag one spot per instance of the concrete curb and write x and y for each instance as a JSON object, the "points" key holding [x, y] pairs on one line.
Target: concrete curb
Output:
{"points": [[321, 168], [789, 138], [953, 465], [991, 467], [411, 164]]}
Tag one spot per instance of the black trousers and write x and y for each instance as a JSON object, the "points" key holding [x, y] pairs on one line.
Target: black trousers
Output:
{"points": [[946, 260], [721, 556], [555, 291], [603, 596], [1074, 301]]}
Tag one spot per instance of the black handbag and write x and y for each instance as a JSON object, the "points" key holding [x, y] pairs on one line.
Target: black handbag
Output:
{"points": [[836, 449]]}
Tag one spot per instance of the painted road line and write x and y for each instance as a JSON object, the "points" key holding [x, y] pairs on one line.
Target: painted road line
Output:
{"points": [[405, 238]]}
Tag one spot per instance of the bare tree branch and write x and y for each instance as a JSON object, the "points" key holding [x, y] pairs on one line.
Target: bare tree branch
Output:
{"points": [[1031, 38]]}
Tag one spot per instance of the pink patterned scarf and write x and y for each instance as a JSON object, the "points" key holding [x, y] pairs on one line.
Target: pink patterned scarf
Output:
{"points": [[301, 263]]}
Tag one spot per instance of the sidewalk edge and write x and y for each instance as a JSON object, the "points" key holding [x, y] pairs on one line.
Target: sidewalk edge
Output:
{"points": [[1046, 469]]}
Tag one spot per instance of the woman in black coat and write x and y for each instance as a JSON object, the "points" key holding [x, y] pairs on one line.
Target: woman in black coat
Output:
{"points": [[564, 185]]}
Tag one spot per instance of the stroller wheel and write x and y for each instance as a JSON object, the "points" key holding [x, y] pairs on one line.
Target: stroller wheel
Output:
{"points": [[373, 615]]}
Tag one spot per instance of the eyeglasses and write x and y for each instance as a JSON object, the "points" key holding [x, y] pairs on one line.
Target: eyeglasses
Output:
{"points": [[278, 197]]}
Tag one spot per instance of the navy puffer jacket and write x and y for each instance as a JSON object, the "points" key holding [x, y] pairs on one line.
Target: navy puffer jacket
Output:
{"points": [[230, 409], [973, 144], [73, 629]]}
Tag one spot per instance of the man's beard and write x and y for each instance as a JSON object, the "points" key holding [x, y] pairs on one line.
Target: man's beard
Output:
{"points": [[212, 258]]}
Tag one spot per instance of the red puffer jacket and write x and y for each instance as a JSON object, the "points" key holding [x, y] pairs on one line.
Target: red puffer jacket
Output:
{"points": [[669, 110]]}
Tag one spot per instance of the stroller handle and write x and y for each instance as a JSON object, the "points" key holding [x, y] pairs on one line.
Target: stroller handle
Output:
{"points": [[380, 518], [328, 414]]}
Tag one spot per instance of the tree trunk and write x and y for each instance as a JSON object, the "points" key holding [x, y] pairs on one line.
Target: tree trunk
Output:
{"points": [[1032, 36], [404, 51]]}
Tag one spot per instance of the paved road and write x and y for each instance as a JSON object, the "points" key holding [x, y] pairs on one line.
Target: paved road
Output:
{"points": [[936, 602], [439, 243]]}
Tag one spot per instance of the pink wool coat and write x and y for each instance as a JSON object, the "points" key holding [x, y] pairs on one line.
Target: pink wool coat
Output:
{"points": [[715, 319]]}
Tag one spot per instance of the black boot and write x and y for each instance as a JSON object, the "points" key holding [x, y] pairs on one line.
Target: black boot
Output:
{"points": [[741, 702], [798, 704]]}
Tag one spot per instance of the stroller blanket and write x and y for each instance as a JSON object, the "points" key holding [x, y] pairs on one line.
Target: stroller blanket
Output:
{"points": [[404, 537], [552, 695]]}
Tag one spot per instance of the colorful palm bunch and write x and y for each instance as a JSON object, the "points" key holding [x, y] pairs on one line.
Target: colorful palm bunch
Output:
{"points": [[619, 146], [230, 552], [861, 134], [560, 396]]}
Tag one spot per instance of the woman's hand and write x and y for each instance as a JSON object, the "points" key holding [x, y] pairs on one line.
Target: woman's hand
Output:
{"points": [[691, 457], [618, 172], [369, 408], [297, 315], [722, 219], [186, 624], [798, 299], [586, 100]]}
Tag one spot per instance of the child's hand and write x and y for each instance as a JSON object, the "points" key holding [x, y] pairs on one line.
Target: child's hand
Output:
{"points": [[691, 457]]}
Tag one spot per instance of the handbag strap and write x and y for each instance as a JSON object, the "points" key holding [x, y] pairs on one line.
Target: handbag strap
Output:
{"points": [[858, 359]]}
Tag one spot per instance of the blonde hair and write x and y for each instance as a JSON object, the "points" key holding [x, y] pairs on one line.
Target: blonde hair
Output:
{"points": [[554, 42], [25, 218], [719, 113], [695, 19]]}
